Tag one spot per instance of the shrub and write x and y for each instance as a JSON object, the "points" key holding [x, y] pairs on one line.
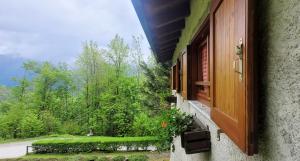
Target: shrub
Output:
{"points": [[143, 125], [30, 125], [103, 159], [118, 158], [10, 122], [51, 124], [89, 144], [138, 158], [72, 128]]}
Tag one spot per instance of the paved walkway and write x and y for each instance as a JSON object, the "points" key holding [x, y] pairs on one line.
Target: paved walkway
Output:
{"points": [[13, 150]]}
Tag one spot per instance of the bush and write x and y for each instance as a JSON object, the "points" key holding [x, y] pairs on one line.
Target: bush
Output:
{"points": [[103, 159], [72, 128], [138, 158], [143, 125], [51, 124], [118, 158], [10, 122], [89, 144], [30, 125]]}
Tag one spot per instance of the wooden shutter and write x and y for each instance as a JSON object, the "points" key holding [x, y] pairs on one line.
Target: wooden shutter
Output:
{"points": [[232, 98], [174, 76], [178, 76], [184, 75], [171, 78]]}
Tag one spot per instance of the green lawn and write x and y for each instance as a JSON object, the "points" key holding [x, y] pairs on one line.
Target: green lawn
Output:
{"points": [[153, 156], [3, 141]]}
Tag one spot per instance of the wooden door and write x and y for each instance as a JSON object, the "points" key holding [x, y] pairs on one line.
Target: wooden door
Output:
{"points": [[231, 110]]}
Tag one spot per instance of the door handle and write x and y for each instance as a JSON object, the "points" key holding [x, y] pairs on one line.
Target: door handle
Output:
{"points": [[238, 63]]}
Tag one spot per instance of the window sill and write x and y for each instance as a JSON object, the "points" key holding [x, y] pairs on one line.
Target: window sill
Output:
{"points": [[201, 108]]}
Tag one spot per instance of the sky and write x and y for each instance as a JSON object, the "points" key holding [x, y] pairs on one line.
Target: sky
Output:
{"points": [[54, 30]]}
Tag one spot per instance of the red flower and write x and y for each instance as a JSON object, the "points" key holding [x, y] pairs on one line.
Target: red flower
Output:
{"points": [[164, 124]]}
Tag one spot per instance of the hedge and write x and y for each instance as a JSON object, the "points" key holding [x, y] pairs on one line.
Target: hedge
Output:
{"points": [[92, 143]]}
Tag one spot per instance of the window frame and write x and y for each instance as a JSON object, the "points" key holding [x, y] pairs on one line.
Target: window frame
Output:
{"points": [[201, 39]]}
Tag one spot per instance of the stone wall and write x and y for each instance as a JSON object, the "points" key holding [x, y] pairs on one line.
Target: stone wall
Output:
{"points": [[278, 50]]}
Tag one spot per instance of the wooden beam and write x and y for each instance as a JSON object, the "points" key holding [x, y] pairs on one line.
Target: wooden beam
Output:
{"points": [[167, 50], [168, 36], [171, 15], [167, 46], [165, 57], [156, 6], [172, 27], [166, 41]]}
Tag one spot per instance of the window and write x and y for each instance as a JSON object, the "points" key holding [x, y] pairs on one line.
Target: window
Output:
{"points": [[199, 66], [202, 83]]}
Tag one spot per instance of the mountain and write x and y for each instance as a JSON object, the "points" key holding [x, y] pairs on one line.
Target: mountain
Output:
{"points": [[10, 66]]}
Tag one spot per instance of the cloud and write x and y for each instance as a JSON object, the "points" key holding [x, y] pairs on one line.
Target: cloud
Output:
{"points": [[54, 30]]}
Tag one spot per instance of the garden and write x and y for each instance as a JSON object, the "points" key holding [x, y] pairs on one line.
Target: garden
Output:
{"points": [[110, 101]]}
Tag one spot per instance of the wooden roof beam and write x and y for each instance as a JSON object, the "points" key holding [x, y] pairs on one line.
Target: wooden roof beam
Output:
{"points": [[165, 42], [168, 16], [173, 27], [168, 36]]}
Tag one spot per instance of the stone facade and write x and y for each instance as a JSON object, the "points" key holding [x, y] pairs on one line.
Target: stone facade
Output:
{"points": [[278, 49]]}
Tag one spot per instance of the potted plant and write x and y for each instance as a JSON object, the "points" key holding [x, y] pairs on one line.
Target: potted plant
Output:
{"points": [[194, 137], [173, 123]]}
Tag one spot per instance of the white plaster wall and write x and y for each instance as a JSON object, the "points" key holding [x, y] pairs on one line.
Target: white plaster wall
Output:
{"points": [[223, 150]]}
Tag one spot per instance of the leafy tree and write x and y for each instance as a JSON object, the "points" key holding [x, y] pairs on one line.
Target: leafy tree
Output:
{"points": [[10, 122], [51, 124], [117, 55], [30, 125]]}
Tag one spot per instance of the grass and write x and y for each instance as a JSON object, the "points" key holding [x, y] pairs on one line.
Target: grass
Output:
{"points": [[153, 156], [4, 141]]}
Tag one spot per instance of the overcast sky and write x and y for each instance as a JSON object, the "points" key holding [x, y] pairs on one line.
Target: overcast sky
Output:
{"points": [[54, 30]]}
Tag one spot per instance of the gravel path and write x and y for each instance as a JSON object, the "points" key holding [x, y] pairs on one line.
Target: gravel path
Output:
{"points": [[13, 150]]}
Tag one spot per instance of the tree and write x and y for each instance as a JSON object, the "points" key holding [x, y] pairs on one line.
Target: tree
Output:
{"points": [[30, 125], [117, 55], [156, 85], [137, 55]]}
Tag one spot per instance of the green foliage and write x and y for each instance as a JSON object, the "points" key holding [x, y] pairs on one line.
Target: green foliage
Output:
{"points": [[103, 159], [156, 86], [138, 158], [173, 123], [109, 91], [51, 124], [88, 144], [30, 125], [10, 122], [144, 125], [118, 158], [72, 128]]}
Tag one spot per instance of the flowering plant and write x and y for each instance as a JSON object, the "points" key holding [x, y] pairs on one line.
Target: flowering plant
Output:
{"points": [[173, 123]]}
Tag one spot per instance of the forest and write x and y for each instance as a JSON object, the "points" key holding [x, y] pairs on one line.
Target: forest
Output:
{"points": [[109, 91]]}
